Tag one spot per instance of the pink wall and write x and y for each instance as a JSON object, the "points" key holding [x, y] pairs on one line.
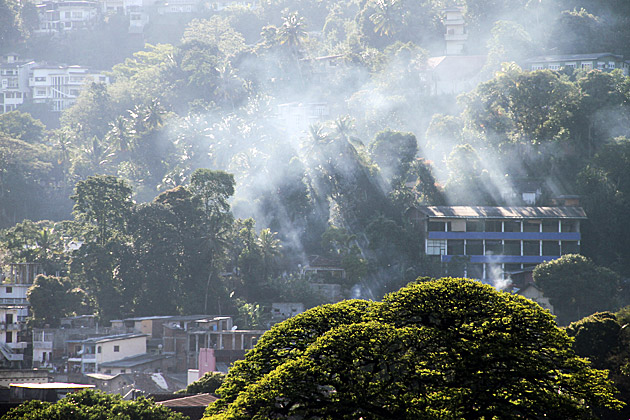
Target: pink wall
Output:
{"points": [[207, 361]]}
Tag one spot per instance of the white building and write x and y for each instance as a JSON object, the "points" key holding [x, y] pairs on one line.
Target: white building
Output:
{"points": [[604, 61], [218, 5], [14, 88], [57, 17], [60, 85], [456, 35], [14, 311], [296, 117], [95, 351]]}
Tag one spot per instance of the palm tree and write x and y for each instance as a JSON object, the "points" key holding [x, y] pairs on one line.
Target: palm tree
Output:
{"points": [[386, 17], [121, 135], [270, 248], [292, 33]]}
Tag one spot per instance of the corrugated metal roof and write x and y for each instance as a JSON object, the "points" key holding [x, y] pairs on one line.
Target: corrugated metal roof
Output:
{"points": [[469, 212], [201, 400], [571, 57]]}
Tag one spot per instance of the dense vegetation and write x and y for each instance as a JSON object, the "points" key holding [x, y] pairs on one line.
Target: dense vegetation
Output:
{"points": [[90, 405], [447, 349], [206, 95]]}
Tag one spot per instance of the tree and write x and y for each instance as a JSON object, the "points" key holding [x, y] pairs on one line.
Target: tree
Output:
{"points": [[576, 287], [394, 151], [103, 201], [22, 126], [449, 348], [52, 298], [208, 383], [91, 405]]}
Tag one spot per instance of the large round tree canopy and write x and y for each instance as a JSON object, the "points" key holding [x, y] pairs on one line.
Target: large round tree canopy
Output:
{"points": [[437, 349]]}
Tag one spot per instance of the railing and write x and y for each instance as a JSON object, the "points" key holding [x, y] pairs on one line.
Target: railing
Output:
{"points": [[42, 344], [13, 301]]}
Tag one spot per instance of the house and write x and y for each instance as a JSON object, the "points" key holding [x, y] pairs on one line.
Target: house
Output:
{"points": [[59, 85], [533, 292], [14, 311], [600, 61], [454, 72], [192, 406], [281, 311], [60, 16], [296, 117], [491, 242], [219, 5], [322, 68], [99, 350], [50, 392], [14, 88]]}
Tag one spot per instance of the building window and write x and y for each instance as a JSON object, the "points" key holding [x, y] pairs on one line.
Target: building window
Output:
{"points": [[455, 247], [116, 349], [8, 318], [554, 67], [474, 247], [511, 226], [570, 247], [537, 67], [551, 248], [601, 65], [531, 248], [512, 248], [570, 226], [40, 79], [9, 289], [474, 271], [531, 226], [588, 65], [494, 247], [437, 227], [9, 337], [99, 349], [494, 226], [611, 64], [570, 65], [123, 371], [436, 247], [474, 226], [550, 226]]}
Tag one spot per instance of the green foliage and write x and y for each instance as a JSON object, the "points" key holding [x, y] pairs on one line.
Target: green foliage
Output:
{"points": [[208, 383], [22, 126], [90, 405], [105, 203], [449, 348], [52, 298], [576, 286], [393, 152]]}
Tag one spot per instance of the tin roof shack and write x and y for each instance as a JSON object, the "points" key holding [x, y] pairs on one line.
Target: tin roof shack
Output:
{"points": [[488, 243], [51, 392]]}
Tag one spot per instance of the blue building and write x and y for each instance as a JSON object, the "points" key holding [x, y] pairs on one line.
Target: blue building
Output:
{"points": [[503, 240]]}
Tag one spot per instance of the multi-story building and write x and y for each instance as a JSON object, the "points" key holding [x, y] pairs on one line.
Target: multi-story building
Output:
{"points": [[14, 310], [491, 242], [596, 61], [14, 88], [98, 350], [56, 17], [60, 85]]}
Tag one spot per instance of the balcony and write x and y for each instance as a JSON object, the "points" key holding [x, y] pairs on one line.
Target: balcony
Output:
{"points": [[456, 37], [44, 345], [88, 358], [546, 236], [20, 345]]}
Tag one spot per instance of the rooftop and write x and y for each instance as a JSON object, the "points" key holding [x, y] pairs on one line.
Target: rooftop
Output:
{"points": [[572, 57], [132, 361], [467, 212], [51, 385], [200, 400], [116, 337]]}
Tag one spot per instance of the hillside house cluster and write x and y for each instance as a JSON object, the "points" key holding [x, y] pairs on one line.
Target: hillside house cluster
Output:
{"points": [[55, 85], [139, 345]]}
